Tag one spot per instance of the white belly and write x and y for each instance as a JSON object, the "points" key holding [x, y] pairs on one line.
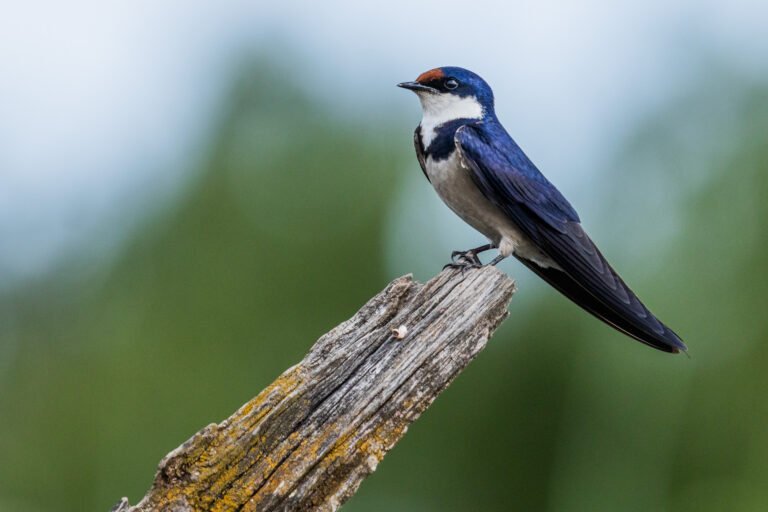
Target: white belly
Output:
{"points": [[455, 187]]}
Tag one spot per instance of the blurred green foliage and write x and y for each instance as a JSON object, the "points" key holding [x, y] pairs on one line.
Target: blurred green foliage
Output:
{"points": [[279, 238]]}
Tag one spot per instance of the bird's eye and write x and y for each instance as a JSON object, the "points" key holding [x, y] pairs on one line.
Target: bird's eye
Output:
{"points": [[451, 84]]}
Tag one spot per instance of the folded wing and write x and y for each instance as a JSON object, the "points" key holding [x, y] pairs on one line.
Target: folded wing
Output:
{"points": [[509, 180]]}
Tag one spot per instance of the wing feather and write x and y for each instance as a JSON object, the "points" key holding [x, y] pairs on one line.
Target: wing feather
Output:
{"points": [[509, 180]]}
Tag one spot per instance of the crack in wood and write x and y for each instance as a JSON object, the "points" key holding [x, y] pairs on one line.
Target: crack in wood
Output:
{"points": [[308, 440]]}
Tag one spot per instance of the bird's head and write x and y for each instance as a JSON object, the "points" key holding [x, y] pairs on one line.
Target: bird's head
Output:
{"points": [[452, 93]]}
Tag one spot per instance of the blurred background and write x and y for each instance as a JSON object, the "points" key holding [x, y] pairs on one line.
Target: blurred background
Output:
{"points": [[192, 192]]}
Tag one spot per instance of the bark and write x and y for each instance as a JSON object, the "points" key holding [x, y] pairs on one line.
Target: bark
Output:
{"points": [[308, 440]]}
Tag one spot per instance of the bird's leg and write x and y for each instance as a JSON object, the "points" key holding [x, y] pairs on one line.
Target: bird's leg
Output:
{"points": [[496, 260], [470, 254], [468, 259]]}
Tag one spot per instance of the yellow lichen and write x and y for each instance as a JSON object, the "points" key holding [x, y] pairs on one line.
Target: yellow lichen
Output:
{"points": [[383, 437], [282, 386], [215, 470], [275, 466]]}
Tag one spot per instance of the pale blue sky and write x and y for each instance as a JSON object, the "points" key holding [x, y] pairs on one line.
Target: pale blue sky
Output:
{"points": [[102, 104]]}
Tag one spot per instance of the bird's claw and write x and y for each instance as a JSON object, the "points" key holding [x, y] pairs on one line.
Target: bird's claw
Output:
{"points": [[466, 256], [464, 260], [463, 266]]}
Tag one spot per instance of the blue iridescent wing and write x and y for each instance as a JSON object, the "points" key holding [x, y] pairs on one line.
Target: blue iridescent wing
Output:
{"points": [[509, 180]]}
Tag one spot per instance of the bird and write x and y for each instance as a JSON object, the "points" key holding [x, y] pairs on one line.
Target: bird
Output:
{"points": [[481, 174]]}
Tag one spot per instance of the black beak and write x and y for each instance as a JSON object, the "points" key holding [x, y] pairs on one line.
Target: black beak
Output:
{"points": [[416, 87]]}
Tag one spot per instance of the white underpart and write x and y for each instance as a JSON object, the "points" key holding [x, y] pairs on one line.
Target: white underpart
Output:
{"points": [[439, 108], [452, 180], [455, 187]]}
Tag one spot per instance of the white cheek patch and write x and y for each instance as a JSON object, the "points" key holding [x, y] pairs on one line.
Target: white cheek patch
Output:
{"points": [[441, 108]]}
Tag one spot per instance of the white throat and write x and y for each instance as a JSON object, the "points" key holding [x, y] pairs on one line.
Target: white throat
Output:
{"points": [[442, 108]]}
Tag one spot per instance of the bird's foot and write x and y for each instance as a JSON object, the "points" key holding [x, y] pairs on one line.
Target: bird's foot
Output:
{"points": [[467, 259], [469, 256], [462, 265], [464, 260]]}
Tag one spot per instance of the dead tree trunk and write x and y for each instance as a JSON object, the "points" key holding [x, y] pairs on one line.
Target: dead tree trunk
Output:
{"points": [[309, 439]]}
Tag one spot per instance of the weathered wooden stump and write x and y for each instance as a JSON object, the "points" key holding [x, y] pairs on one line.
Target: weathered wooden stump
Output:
{"points": [[309, 439]]}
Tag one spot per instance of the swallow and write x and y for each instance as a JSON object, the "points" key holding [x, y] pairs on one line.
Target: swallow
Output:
{"points": [[481, 174]]}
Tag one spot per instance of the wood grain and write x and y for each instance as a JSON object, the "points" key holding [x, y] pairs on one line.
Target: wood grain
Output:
{"points": [[308, 440]]}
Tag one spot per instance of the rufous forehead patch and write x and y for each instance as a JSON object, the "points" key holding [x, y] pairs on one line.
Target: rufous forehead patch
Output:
{"points": [[428, 76]]}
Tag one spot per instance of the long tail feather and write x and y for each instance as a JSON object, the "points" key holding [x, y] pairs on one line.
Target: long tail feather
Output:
{"points": [[623, 321]]}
